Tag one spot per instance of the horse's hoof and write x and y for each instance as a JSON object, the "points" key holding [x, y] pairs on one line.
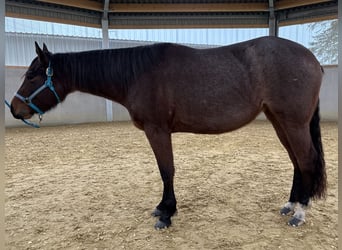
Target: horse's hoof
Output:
{"points": [[285, 211], [162, 224], [156, 213], [295, 222]]}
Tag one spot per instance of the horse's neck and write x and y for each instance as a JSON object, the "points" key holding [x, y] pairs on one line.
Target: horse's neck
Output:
{"points": [[90, 76]]}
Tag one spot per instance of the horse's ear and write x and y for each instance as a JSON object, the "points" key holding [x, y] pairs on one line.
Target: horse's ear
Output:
{"points": [[42, 54], [38, 49], [45, 49]]}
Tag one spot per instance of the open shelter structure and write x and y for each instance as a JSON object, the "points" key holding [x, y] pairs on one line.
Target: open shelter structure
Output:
{"points": [[115, 14], [119, 14]]}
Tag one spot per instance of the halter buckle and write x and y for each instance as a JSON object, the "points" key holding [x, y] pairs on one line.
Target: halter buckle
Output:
{"points": [[49, 71], [27, 100]]}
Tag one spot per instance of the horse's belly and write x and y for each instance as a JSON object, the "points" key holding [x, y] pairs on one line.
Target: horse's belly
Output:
{"points": [[215, 122]]}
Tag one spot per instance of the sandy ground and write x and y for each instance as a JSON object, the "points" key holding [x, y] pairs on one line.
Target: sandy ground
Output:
{"points": [[94, 187]]}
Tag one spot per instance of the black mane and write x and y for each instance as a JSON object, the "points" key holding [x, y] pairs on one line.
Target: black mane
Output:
{"points": [[114, 66]]}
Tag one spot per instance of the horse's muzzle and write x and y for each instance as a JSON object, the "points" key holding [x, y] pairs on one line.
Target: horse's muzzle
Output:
{"points": [[16, 116], [25, 114]]}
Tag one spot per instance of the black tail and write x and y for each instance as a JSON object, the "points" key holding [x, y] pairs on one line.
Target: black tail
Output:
{"points": [[319, 175]]}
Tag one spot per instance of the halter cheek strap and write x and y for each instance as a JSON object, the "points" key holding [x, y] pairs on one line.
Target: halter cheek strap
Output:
{"points": [[48, 84]]}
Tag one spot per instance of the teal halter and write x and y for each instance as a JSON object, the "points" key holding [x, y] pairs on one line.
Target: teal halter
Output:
{"points": [[28, 100], [48, 84]]}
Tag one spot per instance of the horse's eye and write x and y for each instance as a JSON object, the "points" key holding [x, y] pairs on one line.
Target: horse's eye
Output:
{"points": [[29, 75]]}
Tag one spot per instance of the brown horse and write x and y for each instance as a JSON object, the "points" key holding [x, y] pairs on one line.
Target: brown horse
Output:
{"points": [[171, 88]]}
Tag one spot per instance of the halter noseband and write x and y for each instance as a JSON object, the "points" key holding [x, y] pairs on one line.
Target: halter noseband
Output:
{"points": [[48, 84]]}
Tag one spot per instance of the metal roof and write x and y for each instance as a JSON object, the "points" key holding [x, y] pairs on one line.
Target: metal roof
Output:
{"points": [[174, 13]]}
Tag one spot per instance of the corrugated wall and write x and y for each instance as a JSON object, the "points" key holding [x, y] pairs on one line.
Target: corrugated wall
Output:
{"points": [[20, 49], [190, 36]]}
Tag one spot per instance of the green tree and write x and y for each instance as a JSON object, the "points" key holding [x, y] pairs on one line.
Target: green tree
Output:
{"points": [[325, 41]]}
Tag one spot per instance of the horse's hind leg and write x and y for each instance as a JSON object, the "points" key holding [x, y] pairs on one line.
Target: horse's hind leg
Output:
{"points": [[160, 142], [300, 141], [309, 175], [290, 205]]}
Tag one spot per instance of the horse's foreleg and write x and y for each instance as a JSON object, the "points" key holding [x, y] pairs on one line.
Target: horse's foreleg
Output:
{"points": [[160, 142]]}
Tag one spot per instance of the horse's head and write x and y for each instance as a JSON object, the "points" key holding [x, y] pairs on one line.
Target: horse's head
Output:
{"points": [[37, 94]]}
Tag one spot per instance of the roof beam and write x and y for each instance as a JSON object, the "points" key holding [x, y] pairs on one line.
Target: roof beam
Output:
{"points": [[177, 20], [167, 8], [287, 4], [44, 12], [314, 14], [206, 7], [82, 4], [190, 15]]}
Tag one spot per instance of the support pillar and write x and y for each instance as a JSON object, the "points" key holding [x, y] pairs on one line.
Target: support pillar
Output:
{"points": [[105, 45], [2, 125], [272, 20]]}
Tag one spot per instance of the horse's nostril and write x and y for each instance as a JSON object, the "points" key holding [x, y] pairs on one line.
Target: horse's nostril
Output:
{"points": [[15, 115]]}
